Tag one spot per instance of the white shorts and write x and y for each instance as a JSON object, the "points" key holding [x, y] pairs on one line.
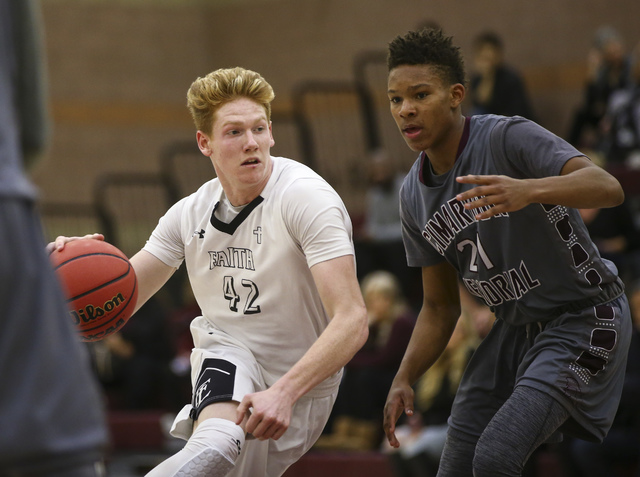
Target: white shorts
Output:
{"points": [[236, 373]]}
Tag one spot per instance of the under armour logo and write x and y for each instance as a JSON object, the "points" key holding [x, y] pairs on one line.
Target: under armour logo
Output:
{"points": [[237, 443], [200, 233], [258, 233]]}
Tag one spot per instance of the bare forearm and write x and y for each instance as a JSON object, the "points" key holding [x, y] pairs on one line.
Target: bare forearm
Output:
{"points": [[333, 349], [429, 339], [580, 185], [151, 274], [586, 188]]}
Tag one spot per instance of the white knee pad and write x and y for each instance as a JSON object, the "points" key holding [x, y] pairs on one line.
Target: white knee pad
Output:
{"points": [[211, 451]]}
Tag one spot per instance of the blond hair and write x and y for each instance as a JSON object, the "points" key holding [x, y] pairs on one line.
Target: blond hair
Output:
{"points": [[382, 282], [206, 95]]}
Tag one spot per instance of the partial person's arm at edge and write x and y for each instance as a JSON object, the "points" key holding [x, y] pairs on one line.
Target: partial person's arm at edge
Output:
{"points": [[344, 336], [434, 327], [581, 185]]}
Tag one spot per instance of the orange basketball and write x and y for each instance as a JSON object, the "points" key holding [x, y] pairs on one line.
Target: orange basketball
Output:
{"points": [[100, 285]]}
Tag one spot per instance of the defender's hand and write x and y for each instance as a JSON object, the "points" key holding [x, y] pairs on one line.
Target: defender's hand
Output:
{"points": [[400, 399], [499, 193]]}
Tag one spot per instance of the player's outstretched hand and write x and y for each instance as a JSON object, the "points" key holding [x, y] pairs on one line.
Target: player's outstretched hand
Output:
{"points": [[499, 193], [60, 241], [269, 413], [400, 399]]}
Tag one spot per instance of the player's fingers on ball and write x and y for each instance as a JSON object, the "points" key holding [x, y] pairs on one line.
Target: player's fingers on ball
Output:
{"points": [[60, 241], [94, 236]]}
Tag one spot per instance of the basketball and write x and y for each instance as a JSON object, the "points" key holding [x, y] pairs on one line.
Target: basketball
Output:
{"points": [[100, 285]]}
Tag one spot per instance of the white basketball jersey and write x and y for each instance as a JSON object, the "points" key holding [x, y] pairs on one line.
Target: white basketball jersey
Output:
{"points": [[251, 277]]}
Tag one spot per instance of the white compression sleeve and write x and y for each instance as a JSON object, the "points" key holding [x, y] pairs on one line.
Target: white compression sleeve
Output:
{"points": [[211, 451]]}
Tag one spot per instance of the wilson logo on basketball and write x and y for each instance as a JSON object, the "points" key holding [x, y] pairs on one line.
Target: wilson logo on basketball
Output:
{"points": [[90, 312]]}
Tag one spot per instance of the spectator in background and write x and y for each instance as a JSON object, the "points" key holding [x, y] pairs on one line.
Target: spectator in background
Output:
{"points": [[608, 71], [477, 312], [179, 326], [423, 435], [363, 391], [614, 232], [133, 364], [496, 88], [621, 123], [381, 247], [382, 223]]}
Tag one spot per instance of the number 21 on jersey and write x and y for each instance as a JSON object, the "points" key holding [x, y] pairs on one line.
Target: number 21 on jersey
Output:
{"points": [[477, 251]]}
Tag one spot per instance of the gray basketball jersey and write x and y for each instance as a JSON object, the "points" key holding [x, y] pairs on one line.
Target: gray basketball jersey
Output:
{"points": [[525, 264]]}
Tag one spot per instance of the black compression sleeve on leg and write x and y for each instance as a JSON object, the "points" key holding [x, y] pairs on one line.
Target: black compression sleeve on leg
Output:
{"points": [[457, 456], [525, 421]]}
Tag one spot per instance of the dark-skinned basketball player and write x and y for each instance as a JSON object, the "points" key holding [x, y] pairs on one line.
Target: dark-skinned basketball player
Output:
{"points": [[492, 201]]}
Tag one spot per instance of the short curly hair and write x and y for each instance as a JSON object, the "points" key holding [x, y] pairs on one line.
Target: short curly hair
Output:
{"points": [[428, 46], [206, 95]]}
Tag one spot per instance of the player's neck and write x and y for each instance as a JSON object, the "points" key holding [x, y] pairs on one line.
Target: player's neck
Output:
{"points": [[238, 198], [442, 155], [241, 192]]}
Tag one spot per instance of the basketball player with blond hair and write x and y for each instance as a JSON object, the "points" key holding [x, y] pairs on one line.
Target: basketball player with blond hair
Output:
{"points": [[268, 250]]}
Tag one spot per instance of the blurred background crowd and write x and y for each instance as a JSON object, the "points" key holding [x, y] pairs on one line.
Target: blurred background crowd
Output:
{"points": [[124, 150]]}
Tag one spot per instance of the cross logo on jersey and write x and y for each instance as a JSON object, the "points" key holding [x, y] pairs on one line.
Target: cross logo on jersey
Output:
{"points": [[258, 233], [199, 233]]}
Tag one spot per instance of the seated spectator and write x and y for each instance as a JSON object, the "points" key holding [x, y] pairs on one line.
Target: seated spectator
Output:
{"points": [[495, 87], [615, 234], [422, 436], [477, 312], [179, 328], [357, 416], [621, 123], [382, 222], [608, 71], [132, 364], [380, 246]]}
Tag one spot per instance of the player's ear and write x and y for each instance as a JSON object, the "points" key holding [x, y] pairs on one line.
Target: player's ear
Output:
{"points": [[457, 93], [204, 143], [273, 141]]}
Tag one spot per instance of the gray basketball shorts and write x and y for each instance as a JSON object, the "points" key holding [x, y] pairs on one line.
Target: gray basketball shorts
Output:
{"points": [[578, 358]]}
